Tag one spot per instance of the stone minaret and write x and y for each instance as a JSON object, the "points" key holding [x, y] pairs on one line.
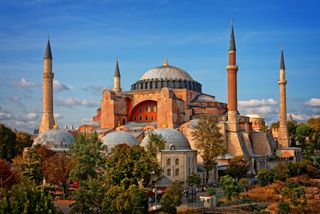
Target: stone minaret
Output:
{"points": [[283, 138], [232, 69], [47, 121], [116, 79]]}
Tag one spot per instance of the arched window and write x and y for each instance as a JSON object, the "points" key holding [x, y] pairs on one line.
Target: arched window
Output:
{"points": [[168, 161], [177, 161], [146, 118], [140, 117], [134, 118], [177, 172], [168, 172], [152, 118]]}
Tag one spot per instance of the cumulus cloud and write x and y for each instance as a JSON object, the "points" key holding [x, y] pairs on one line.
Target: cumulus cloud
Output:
{"points": [[71, 102], [314, 102], [24, 83], [31, 116], [57, 116], [5, 115], [256, 103], [59, 86]]}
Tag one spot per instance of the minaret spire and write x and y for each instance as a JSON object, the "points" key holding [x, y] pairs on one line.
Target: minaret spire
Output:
{"points": [[232, 70], [117, 78], [47, 120], [283, 138], [166, 64], [232, 40]]}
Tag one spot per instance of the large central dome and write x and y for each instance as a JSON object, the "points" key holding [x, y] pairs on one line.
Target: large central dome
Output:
{"points": [[166, 72], [166, 76]]}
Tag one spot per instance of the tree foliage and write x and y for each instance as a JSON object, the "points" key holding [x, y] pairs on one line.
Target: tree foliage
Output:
{"points": [[265, 177], [294, 195], [118, 199], [230, 187], [209, 142], [194, 179], [171, 198], [24, 140], [8, 143], [88, 156], [238, 167], [26, 198], [8, 175], [131, 166], [314, 123], [155, 144]]}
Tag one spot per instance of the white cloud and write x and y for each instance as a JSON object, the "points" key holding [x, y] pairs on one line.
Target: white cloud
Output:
{"points": [[261, 110], [255, 102], [314, 102], [24, 83], [94, 89], [71, 102], [57, 116], [59, 86], [5, 115], [31, 116]]}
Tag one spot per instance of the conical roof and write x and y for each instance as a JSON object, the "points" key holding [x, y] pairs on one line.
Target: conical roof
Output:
{"points": [[117, 70], [282, 66], [48, 54]]}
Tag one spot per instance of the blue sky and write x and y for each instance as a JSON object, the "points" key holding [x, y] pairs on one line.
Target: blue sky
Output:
{"points": [[87, 36]]}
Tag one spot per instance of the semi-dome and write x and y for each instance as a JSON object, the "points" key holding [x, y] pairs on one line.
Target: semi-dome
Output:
{"points": [[55, 139], [166, 72], [175, 140], [119, 137]]}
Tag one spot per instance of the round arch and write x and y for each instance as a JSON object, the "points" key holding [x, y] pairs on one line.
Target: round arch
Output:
{"points": [[145, 111]]}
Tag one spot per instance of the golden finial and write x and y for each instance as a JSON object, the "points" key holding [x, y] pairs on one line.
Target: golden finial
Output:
{"points": [[165, 125], [56, 126], [166, 64]]}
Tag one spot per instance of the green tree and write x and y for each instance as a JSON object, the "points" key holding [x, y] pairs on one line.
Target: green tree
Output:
{"points": [[26, 198], [283, 207], [131, 166], [292, 126], [209, 142], [194, 179], [121, 200], [230, 186], [89, 196], [303, 131], [171, 198], [8, 143], [155, 144], [265, 177], [89, 159], [281, 171], [238, 167], [244, 183], [294, 193]]}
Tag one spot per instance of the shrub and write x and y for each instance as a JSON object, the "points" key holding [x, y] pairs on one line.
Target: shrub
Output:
{"points": [[283, 207], [211, 191], [265, 177]]}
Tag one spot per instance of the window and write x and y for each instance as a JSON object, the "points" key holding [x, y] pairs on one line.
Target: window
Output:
{"points": [[134, 118], [168, 161], [168, 172], [146, 118], [177, 161], [140, 118], [146, 108], [177, 172], [152, 118], [140, 110], [152, 108], [123, 121]]}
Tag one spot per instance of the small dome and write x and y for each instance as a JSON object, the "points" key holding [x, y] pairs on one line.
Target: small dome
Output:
{"points": [[166, 72], [175, 140], [55, 139], [119, 137]]}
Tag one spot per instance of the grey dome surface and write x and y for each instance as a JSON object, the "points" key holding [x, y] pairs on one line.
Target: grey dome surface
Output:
{"points": [[55, 139], [175, 140], [166, 72], [119, 137]]}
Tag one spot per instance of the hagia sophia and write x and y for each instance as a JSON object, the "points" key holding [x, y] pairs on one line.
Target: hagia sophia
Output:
{"points": [[168, 101]]}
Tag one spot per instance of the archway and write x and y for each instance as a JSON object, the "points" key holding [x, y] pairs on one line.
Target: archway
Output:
{"points": [[145, 111]]}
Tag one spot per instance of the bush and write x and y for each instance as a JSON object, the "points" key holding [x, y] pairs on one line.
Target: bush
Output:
{"points": [[211, 191], [230, 187], [281, 172], [265, 177], [283, 207]]}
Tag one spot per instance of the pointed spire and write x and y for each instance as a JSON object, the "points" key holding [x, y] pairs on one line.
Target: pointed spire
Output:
{"points": [[117, 70], [282, 66], [232, 40], [166, 64], [48, 54]]}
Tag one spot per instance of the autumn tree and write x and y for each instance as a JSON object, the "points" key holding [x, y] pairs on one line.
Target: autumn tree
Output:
{"points": [[24, 140], [209, 142], [57, 169], [8, 175], [314, 123], [238, 167], [171, 198]]}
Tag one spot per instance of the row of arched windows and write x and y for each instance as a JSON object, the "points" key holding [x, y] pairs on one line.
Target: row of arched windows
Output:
{"points": [[177, 171], [169, 161]]}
